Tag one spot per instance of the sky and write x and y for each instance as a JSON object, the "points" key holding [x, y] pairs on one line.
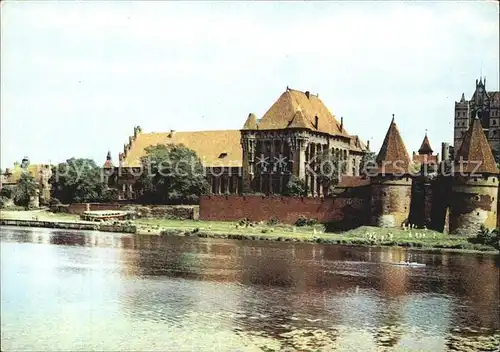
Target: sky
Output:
{"points": [[76, 77]]}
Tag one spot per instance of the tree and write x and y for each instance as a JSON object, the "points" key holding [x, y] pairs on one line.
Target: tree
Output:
{"points": [[329, 167], [295, 187], [368, 161], [171, 174], [25, 189], [77, 180]]}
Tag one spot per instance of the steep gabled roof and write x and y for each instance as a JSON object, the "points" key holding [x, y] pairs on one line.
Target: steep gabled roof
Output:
{"points": [[299, 121], [425, 148], [250, 123], [214, 148], [474, 154], [280, 115], [357, 144], [393, 156]]}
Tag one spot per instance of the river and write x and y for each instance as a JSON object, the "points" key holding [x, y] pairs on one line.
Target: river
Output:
{"points": [[82, 291]]}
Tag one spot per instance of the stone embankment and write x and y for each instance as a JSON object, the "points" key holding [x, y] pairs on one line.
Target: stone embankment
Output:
{"points": [[105, 227]]}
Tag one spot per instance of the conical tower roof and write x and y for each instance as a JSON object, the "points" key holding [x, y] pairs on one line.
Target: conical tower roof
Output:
{"points": [[425, 148], [474, 154], [393, 156], [251, 123]]}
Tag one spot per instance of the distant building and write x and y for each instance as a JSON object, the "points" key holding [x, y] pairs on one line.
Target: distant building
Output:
{"points": [[40, 172], [486, 106]]}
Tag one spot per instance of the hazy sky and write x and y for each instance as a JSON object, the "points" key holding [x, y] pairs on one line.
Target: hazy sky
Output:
{"points": [[77, 77]]}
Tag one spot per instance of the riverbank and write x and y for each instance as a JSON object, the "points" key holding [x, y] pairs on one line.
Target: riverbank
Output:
{"points": [[363, 236]]}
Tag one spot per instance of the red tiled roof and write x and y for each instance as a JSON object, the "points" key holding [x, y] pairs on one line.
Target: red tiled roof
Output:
{"points": [[425, 148], [353, 181], [281, 114], [393, 156], [474, 154]]}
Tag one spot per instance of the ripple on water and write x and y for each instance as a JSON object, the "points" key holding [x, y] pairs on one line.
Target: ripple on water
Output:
{"points": [[225, 297]]}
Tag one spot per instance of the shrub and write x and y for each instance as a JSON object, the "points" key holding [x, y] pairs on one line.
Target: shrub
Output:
{"points": [[311, 222], [54, 202], [273, 221], [295, 187], [244, 222], [303, 221], [486, 237], [6, 192]]}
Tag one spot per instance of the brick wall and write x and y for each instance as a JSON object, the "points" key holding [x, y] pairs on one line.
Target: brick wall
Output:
{"points": [[344, 211]]}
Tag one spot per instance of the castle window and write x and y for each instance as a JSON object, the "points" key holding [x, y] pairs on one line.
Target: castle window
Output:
{"points": [[478, 198], [222, 155], [477, 213]]}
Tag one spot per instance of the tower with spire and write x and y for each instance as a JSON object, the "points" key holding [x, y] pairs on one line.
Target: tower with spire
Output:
{"points": [[424, 155], [486, 106], [390, 182], [475, 184], [289, 141]]}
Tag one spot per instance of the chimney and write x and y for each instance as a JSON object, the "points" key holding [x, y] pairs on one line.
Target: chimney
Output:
{"points": [[341, 123], [172, 132], [368, 144], [308, 94]]}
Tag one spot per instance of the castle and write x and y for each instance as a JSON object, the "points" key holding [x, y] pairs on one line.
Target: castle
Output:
{"points": [[262, 156], [458, 193]]}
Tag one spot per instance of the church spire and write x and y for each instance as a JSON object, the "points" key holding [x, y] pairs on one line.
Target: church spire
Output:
{"points": [[425, 148]]}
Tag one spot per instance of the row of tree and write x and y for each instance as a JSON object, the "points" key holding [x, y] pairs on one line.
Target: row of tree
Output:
{"points": [[174, 175]]}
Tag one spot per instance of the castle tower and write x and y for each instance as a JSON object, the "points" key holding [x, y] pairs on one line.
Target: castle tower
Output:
{"points": [[248, 144], [422, 193], [108, 170], [484, 104], [391, 185], [475, 184], [425, 153], [108, 164]]}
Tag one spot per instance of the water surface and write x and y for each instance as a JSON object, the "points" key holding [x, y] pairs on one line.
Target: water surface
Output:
{"points": [[86, 291]]}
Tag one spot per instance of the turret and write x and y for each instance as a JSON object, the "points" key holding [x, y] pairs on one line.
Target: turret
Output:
{"points": [[391, 182], [474, 185], [108, 164]]}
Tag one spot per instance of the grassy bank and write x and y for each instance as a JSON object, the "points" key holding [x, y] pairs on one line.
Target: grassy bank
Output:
{"points": [[362, 236]]}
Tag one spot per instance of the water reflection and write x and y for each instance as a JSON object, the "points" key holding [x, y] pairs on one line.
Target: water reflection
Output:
{"points": [[268, 296]]}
